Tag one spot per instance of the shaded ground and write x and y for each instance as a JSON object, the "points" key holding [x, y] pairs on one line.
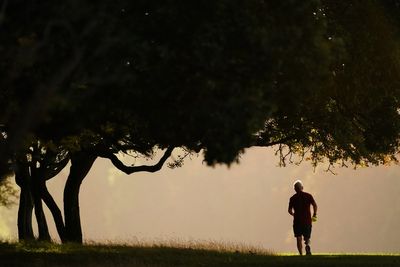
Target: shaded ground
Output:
{"points": [[111, 255]]}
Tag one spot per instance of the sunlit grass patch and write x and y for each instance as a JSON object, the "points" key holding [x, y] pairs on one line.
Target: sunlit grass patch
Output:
{"points": [[114, 247], [39, 247], [210, 245]]}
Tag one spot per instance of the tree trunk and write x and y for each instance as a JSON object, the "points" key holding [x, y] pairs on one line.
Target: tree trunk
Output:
{"points": [[43, 229], [25, 231], [80, 165], [55, 211], [22, 178]]}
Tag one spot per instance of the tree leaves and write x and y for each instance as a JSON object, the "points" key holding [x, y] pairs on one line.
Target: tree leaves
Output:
{"points": [[213, 75]]}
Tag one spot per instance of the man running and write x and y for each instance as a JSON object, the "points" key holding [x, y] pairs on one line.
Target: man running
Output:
{"points": [[299, 208]]}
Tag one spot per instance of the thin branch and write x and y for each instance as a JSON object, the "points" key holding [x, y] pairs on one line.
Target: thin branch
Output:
{"points": [[303, 155], [179, 162], [329, 169], [143, 168], [262, 143], [55, 169]]}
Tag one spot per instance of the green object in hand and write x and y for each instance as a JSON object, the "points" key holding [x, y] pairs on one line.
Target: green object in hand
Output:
{"points": [[314, 218]]}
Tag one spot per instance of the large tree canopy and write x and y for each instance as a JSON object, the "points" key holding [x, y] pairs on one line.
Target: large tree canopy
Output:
{"points": [[197, 74], [89, 79], [204, 75]]}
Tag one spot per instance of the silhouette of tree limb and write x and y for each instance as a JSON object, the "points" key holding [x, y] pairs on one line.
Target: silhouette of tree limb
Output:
{"points": [[263, 143], [143, 168]]}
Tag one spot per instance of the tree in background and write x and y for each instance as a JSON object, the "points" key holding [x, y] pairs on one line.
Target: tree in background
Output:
{"points": [[7, 193]]}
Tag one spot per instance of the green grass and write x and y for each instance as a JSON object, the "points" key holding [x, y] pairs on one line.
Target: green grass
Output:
{"points": [[47, 254]]}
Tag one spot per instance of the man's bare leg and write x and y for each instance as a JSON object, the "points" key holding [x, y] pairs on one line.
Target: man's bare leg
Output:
{"points": [[307, 243], [300, 245]]}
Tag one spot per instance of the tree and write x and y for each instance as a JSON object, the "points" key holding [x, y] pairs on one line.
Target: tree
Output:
{"points": [[192, 72], [354, 118], [32, 169], [187, 72], [211, 76], [7, 193]]}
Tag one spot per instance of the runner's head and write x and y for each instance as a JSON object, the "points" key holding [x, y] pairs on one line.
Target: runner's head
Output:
{"points": [[298, 186]]}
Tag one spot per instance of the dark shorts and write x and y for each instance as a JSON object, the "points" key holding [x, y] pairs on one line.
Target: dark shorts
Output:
{"points": [[302, 230]]}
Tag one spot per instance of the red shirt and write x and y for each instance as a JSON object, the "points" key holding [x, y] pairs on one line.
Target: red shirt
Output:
{"points": [[300, 203]]}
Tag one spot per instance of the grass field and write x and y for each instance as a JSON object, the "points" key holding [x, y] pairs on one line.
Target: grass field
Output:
{"points": [[45, 254]]}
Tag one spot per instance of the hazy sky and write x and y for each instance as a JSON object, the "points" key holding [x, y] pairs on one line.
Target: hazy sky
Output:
{"points": [[359, 210]]}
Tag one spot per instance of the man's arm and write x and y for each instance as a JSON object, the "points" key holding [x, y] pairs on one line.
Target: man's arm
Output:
{"points": [[290, 209], [315, 207]]}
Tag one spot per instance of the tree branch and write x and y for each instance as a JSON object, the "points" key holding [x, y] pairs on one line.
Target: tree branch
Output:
{"points": [[55, 169], [262, 143], [143, 168]]}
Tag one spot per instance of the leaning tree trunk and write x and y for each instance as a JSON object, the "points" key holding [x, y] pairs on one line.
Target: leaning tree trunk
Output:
{"points": [[55, 211], [80, 165], [43, 229], [25, 208]]}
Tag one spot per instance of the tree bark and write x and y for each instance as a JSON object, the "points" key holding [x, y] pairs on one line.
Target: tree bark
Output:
{"points": [[55, 211], [41, 193], [22, 178], [47, 170], [80, 165], [43, 229], [25, 209]]}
